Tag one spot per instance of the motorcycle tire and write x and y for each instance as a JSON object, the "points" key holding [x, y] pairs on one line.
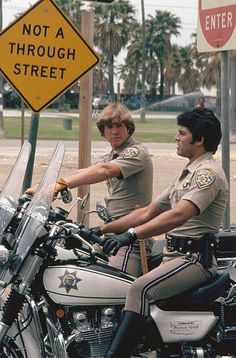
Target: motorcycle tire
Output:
{"points": [[10, 350]]}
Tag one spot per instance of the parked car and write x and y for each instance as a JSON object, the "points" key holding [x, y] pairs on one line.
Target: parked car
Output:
{"points": [[133, 102], [210, 103]]}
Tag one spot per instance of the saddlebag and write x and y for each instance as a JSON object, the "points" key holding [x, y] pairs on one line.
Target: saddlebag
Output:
{"points": [[227, 244]]}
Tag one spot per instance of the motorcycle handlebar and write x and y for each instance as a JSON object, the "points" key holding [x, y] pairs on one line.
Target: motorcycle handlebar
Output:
{"points": [[88, 234]]}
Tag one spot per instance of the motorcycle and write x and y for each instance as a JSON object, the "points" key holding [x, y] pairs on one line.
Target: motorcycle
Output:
{"points": [[64, 306]]}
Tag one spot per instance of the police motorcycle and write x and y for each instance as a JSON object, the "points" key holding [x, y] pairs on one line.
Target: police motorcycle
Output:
{"points": [[61, 306]]}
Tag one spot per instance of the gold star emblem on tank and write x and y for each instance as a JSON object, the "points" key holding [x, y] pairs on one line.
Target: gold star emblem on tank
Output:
{"points": [[69, 281]]}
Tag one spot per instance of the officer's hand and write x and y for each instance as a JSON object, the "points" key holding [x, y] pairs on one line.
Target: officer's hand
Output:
{"points": [[115, 242], [32, 190], [59, 186], [96, 230]]}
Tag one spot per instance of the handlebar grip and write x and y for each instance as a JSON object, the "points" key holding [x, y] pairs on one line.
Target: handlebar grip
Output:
{"points": [[66, 195], [88, 234]]}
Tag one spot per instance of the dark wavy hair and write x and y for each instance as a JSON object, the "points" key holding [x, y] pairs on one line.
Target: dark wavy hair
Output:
{"points": [[115, 113], [202, 123]]}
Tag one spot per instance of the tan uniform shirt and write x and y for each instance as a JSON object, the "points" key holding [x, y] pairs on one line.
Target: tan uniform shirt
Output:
{"points": [[204, 183], [134, 187]]}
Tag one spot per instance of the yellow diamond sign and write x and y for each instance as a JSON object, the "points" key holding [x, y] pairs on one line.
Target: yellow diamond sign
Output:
{"points": [[42, 54]]}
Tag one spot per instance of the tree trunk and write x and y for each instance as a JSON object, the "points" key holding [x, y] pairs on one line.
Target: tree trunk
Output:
{"points": [[161, 80], [111, 77]]}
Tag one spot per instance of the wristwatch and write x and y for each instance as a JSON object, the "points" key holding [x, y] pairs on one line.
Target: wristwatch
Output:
{"points": [[132, 231]]}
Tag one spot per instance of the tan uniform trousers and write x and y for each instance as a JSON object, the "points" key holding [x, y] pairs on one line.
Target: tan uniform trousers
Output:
{"points": [[128, 258], [173, 276]]}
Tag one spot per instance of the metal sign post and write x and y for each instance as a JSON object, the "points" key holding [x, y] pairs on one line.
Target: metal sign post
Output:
{"points": [[217, 32]]}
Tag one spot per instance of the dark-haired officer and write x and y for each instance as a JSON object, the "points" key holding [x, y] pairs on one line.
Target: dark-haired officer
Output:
{"points": [[128, 173], [190, 211]]}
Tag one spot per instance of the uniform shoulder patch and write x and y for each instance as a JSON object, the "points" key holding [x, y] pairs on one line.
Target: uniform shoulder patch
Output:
{"points": [[204, 178], [130, 152]]}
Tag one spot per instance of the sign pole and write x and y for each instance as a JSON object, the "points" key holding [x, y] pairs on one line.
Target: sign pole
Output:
{"points": [[32, 140], [217, 32], [85, 109], [225, 128]]}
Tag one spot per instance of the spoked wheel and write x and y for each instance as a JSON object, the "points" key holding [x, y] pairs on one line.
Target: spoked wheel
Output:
{"points": [[10, 350]]}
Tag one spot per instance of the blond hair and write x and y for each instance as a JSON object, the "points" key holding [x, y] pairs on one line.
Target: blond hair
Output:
{"points": [[115, 113]]}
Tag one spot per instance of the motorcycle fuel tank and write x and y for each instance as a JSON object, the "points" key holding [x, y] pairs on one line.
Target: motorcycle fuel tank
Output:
{"points": [[94, 284]]}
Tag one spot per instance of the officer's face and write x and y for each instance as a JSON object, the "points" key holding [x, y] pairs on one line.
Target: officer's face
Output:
{"points": [[116, 134], [185, 146]]}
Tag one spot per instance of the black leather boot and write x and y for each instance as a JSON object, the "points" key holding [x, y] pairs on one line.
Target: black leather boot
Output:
{"points": [[130, 330]]}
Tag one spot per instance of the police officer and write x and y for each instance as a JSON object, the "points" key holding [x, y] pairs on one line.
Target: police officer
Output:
{"points": [[190, 211], [128, 172]]}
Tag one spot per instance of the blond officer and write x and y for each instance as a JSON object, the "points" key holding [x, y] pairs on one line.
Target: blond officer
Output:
{"points": [[191, 211], [128, 173]]}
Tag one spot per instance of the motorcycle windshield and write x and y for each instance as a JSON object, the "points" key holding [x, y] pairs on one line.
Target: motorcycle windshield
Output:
{"points": [[12, 189], [37, 212]]}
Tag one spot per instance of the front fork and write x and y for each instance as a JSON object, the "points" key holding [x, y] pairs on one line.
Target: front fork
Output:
{"points": [[16, 299]]}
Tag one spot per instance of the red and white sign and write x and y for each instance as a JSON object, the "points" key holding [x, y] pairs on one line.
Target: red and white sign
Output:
{"points": [[216, 25]]}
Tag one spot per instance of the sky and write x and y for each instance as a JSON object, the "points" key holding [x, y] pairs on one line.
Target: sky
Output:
{"points": [[186, 10]]}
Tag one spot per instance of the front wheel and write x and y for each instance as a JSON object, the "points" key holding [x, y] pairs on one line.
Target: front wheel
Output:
{"points": [[10, 350]]}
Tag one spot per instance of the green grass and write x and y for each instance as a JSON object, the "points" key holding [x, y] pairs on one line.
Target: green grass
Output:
{"points": [[153, 130]]}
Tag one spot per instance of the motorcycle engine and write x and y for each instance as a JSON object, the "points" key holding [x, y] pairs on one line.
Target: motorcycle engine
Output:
{"points": [[93, 330]]}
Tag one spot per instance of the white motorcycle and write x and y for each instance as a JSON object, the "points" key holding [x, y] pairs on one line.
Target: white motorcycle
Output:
{"points": [[69, 305]]}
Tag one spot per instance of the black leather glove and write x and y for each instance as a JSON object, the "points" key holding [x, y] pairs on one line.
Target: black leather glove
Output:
{"points": [[115, 242], [96, 230], [88, 234]]}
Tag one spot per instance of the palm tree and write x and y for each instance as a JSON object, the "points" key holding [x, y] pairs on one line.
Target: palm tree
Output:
{"points": [[152, 74], [113, 24], [173, 70], [100, 77], [160, 28], [189, 80], [129, 72], [72, 8], [209, 65]]}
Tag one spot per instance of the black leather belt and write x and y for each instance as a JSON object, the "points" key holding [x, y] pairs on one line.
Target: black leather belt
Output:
{"points": [[184, 244], [206, 246]]}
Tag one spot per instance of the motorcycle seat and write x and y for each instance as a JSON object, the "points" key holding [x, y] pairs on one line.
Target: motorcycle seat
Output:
{"points": [[201, 296]]}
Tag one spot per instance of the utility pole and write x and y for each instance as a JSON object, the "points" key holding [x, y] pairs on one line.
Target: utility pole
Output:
{"points": [[143, 89], [225, 128], [85, 107]]}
